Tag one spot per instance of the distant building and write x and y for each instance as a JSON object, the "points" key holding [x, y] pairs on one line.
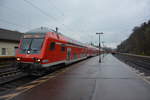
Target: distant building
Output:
{"points": [[9, 41]]}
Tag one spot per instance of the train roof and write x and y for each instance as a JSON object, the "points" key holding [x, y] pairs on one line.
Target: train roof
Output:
{"points": [[41, 30], [44, 30], [70, 40]]}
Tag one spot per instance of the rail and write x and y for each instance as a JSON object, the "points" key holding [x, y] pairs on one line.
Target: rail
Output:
{"points": [[10, 75]]}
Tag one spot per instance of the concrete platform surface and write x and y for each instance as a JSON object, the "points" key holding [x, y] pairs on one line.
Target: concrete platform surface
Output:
{"points": [[91, 80]]}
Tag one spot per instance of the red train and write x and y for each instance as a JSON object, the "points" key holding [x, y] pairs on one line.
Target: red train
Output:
{"points": [[42, 48]]}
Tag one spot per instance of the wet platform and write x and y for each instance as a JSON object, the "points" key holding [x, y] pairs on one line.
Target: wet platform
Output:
{"points": [[91, 80]]}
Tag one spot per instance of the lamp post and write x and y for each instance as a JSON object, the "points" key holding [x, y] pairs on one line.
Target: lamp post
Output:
{"points": [[99, 46]]}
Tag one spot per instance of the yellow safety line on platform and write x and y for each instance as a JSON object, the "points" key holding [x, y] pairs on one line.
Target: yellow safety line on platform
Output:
{"points": [[9, 96], [23, 89]]}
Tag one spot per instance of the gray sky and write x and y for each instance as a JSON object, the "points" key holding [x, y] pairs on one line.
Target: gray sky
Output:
{"points": [[78, 19]]}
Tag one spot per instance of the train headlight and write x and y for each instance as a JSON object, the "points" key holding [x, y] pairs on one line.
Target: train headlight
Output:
{"points": [[18, 59], [38, 60]]}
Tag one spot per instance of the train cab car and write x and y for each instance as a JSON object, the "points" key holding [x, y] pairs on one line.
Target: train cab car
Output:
{"points": [[41, 48], [31, 49]]}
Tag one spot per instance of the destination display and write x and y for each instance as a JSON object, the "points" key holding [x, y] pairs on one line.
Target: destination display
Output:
{"points": [[33, 36]]}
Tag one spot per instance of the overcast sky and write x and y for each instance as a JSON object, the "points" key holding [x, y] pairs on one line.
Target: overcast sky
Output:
{"points": [[78, 19]]}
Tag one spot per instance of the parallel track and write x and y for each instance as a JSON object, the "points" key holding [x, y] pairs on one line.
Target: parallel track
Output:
{"points": [[14, 78], [141, 63], [10, 75], [7, 73]]}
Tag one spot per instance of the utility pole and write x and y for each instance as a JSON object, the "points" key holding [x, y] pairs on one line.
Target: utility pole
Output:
{"points": [[99, 46]]}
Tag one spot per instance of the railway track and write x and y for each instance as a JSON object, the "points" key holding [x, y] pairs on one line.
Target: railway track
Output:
{"points": [[7, 73], [141, 63], [10, 75], [15, 83], [14, 78]]}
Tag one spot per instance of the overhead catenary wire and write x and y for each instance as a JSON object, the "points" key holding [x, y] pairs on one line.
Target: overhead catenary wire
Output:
{"points": [[8, 22], [60, 12], [39, 9], [66, 28], [18, 12], [27, 25], [4, 6], [43, 12]]}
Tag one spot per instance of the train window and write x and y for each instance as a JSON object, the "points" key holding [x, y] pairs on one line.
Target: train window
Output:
{"points": [[52, 46], [62, 47]]}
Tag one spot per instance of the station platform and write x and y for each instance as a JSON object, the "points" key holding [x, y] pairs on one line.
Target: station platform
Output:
{"points": [[91, 80]]}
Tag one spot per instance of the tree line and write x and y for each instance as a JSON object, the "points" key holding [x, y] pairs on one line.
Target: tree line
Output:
{"points": [[138, 42]]}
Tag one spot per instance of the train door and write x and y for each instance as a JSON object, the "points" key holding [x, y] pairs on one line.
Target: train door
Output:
{"points": [[68, 54]]}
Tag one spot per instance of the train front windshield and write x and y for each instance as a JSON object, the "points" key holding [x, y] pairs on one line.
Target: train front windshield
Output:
{"points": [[31, 46]]}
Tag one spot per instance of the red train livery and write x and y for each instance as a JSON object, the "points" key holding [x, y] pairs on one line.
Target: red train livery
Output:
{"points": [[41, 48]]}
